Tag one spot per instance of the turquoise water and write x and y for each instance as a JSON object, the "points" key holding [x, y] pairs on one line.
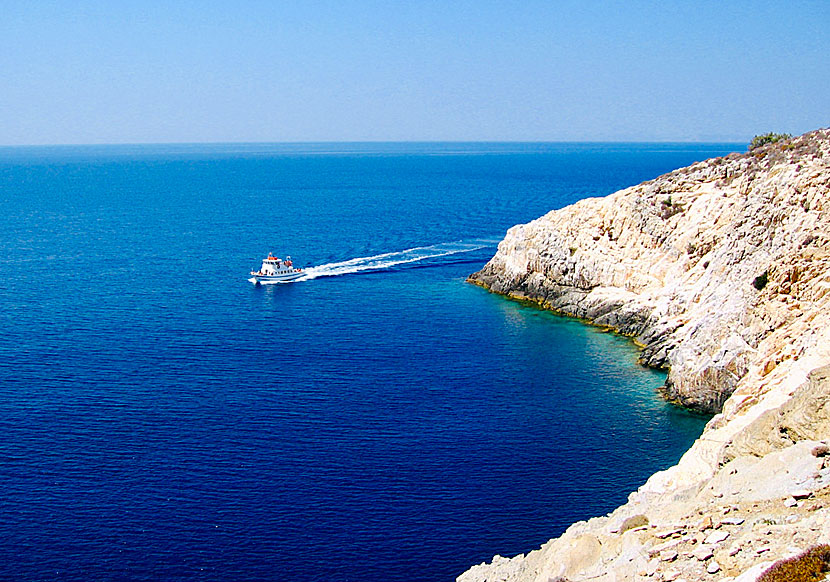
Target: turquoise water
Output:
{"points": [[163, 418]]}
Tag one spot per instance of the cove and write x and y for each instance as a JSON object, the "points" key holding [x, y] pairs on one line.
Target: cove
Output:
{"points": [[165, 419]]}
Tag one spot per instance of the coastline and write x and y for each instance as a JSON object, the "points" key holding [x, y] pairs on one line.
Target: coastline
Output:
{"points": [[721, 273], [545, 306]]}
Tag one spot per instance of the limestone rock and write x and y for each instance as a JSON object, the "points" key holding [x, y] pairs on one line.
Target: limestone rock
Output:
{"points": [[633, 522], [703, 553], [687, 284], [820, 450], [716, 537], [668, 533], [721, 271]]}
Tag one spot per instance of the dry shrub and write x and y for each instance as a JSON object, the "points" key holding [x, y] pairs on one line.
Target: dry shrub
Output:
{"points": [[809, 566]]}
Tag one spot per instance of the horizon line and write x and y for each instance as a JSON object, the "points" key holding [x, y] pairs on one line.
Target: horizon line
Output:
{"points": [[370, 141]]}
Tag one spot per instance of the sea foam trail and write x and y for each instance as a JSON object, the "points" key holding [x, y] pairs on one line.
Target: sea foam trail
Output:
{"points": [[385, 261]]}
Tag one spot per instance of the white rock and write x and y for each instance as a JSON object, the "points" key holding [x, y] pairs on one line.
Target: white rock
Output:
{"points": [[716, 537], [752, 574], [703, 553], [665, 546], [680, 275]]}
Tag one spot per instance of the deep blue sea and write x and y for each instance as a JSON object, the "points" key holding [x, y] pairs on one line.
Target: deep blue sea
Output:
{"points": [[161, 418]]}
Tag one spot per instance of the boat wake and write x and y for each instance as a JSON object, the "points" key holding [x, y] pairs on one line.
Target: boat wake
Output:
{"points": [[415, 256]]}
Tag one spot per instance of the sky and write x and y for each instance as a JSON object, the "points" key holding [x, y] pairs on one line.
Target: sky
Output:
{"points": [[112, 71]]}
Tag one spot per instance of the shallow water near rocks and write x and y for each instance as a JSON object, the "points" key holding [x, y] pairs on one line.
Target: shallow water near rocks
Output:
{"points": [[163, 418]]}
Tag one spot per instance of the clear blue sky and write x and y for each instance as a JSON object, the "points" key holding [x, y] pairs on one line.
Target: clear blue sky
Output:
{"points": [[208, 71]]}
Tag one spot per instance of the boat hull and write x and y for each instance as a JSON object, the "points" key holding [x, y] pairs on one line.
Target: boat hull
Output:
{"points": [[279, 278]]}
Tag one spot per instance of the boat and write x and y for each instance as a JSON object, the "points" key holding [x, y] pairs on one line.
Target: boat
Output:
{"points": [[276, 270]]}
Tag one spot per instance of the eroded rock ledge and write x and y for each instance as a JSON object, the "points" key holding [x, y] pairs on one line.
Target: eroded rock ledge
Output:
{"points": [[721, 270], [677, 262]]}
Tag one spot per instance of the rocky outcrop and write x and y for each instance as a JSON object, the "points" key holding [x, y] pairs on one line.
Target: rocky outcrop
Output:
{"points": [[752, 512], [721, 271], [701, 265]]}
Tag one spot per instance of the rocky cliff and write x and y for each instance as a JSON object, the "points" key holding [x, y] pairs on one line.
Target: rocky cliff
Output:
{"points": [[721, 271]]}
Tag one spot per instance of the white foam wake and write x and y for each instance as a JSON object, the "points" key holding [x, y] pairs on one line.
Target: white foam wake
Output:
{"points": [[386, 260]]}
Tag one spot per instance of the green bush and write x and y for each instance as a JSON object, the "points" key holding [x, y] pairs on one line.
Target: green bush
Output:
{"points": [[761, 280], [766, 138], [669, 208]]}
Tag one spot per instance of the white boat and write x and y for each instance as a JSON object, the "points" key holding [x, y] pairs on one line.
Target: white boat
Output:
{"points": [[276, 270]]}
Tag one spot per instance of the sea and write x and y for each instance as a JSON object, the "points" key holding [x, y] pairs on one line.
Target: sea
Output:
{"points": [[162, 418]]}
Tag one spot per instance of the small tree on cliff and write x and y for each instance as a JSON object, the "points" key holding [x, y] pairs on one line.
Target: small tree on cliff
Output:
{"points": [[766, 138]]}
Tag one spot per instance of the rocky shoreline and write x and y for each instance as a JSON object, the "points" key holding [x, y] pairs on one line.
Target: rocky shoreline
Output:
{"points": [[721, 272]]}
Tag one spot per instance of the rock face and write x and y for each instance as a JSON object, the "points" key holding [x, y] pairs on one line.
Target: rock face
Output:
{"points": [[721, 271], [701, 265]]}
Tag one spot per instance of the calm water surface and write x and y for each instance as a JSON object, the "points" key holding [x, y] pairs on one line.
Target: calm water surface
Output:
{"points": [[162, 418]]}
